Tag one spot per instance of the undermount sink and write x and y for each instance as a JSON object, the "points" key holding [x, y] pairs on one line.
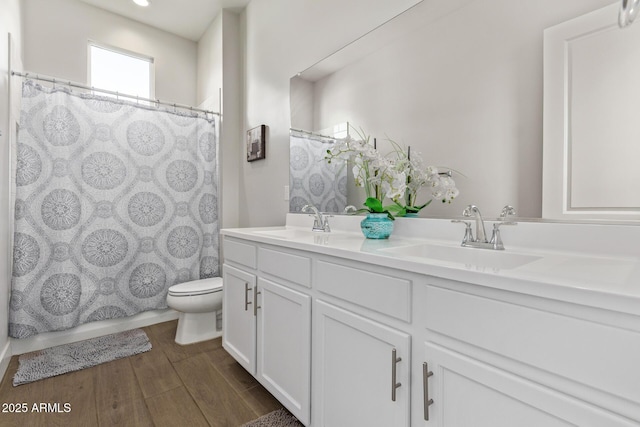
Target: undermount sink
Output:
{"points": [[471, 257], [307, 236], [289, 233]]}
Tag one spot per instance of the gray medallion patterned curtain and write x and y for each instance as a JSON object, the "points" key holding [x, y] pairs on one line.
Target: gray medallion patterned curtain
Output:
{"points": [[115, 203], [313, 181]]}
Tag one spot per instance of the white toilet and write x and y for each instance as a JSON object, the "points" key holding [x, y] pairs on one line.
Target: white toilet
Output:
{"points": [[197, 302]]}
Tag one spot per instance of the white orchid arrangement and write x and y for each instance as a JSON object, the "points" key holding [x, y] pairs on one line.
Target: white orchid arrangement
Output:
{"points": [[440, 185], [377, 174], [397, 176]]}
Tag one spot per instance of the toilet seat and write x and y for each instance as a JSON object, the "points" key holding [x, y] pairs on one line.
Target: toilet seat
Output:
{"points": [[197, 287]]}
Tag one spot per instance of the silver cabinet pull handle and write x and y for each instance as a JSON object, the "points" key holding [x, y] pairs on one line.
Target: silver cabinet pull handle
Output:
{"points": [[246, 296], [426, 373], [394, 383], [255, 300]]}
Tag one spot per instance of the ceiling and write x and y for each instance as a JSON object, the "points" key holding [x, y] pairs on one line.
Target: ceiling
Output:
{"points": [[185, 18]]}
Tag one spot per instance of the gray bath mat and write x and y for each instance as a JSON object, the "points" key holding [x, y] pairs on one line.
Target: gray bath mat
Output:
{"points": [[58, 360], [278, 418]]}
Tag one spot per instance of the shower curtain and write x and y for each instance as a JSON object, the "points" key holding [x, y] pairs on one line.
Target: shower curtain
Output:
{"points": [[313, 181], [115, 203]]}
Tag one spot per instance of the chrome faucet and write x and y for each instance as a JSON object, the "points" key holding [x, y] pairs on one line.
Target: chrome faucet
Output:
{"points": [[480, 241], [350, 209], [320, 222], [472, 210]]}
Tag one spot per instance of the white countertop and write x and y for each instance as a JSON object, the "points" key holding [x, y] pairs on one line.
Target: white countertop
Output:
{"points": [[587, 267]]}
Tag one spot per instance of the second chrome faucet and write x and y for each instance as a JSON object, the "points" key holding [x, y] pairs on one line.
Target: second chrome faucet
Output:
{"points": [[480, 240], [320, 222]]}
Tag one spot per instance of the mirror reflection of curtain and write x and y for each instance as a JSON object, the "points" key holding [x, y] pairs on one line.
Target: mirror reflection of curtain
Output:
{"points": [[312, 181], [115, 203]]}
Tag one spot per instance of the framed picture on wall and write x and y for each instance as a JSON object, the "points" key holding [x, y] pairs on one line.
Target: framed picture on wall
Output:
{"points": [[256, 143]]}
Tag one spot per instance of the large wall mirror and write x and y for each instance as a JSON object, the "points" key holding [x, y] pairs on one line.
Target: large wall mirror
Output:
{"points": [[591, 115], [462, 82]]}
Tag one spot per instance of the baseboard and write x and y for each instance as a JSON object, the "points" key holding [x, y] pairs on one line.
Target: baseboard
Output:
{"points": [[5, 358], [89, 330]]}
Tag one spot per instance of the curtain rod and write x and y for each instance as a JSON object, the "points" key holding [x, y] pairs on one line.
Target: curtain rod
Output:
{"points": [[306, 132], [110, 92]]}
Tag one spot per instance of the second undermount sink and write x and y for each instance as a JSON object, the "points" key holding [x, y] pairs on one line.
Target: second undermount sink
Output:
{"points": [[288, 233], [306, 236], [470, 257]]}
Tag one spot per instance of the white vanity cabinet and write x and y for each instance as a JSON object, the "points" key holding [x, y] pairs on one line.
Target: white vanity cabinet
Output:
{"points": [[467, 392], [284, 346], [361, 370], [345, 337], [239, 322], [498, 360], [267, 323], [361, 373]]}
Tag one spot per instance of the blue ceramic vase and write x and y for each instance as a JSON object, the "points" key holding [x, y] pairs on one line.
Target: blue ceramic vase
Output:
{"points": [[376, 226]]}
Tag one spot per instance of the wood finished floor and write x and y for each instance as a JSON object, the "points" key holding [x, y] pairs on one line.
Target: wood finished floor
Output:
{"points": [[171, 385]]}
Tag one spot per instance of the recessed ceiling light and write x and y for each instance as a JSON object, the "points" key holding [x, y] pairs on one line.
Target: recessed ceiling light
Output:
{"points": [[143, 3]]}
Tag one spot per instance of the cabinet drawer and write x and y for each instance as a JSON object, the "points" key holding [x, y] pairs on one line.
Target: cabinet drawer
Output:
{"points": [[600, 356], [240, 253], [294, 268], [379, 292]]}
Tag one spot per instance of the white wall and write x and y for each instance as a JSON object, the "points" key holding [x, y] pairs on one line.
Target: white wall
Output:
{"points": [[284, 37], [56, 35], [220, 72], [10, 22], [466, 92], [209, 60]]}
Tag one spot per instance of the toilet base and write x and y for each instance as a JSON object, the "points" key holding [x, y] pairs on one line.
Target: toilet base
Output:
{"points": [[196, 327]]}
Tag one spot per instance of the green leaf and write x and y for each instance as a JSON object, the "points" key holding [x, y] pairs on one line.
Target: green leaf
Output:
{"points": [[374, 205], [416, 209], [425, 205], [396, 210]]}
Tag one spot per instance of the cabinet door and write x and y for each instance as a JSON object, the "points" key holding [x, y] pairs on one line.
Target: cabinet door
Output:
{"points": [[239, 321], [354, 369], [467, 392], [284, 346]]}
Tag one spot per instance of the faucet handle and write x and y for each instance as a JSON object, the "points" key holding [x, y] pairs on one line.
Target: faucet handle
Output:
{"points": [[461, 221], [506, 211], [468, 233], [496, 225], [496, 239], [469, 210], [325, 223]]}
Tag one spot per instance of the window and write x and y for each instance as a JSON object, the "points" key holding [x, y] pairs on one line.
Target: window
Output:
{"points": [[120, 71]]}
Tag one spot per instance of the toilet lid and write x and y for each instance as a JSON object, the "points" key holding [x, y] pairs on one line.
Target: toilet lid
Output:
{"points": [[197, 287]]}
